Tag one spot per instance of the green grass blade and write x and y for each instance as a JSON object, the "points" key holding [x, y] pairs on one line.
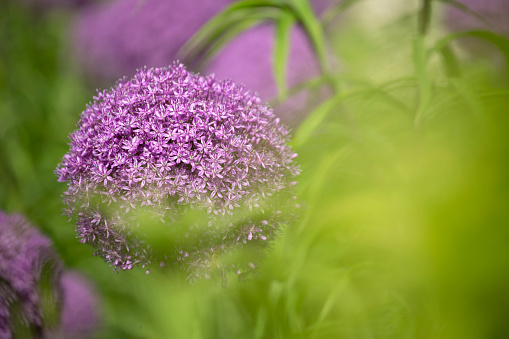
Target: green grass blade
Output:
{"points": [[499, 41], [450, 62], [470, 97], [423, 81], [214, 47], [465, 9], [281, 51], [307, 128], [221, 22], [303, 11], [337, 9]]}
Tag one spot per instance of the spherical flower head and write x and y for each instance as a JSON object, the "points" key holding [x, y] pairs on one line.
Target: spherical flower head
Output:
{"points": [[29, 268], [115, 38], [176, 144]]}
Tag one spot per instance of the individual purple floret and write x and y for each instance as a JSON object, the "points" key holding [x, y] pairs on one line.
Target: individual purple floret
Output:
{"points": [[243, 63], [29, 267], [117, 37], [80, 306], [171, 142]]}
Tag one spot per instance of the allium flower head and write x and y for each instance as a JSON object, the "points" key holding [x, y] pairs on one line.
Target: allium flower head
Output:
{"points": [[169, 142], [27, 263]]}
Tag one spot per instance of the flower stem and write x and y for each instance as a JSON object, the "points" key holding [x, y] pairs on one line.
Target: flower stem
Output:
{"points": [[424, 17]]}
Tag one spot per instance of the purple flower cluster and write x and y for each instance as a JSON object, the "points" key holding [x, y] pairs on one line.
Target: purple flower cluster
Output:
{"points": [[115, 38], [80, 305], [31, 280], [170, 141], [26, 258], [242, 63]]}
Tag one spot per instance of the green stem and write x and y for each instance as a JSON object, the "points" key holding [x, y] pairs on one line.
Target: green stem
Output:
{"points": [[304, 13], [424, 17], [423, 81], [420, 61]]}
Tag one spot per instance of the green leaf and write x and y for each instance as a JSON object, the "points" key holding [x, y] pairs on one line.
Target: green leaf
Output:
{"points": [[304, 13], [336, 9], [464, 8], [312, 122], [281, 50], [450, 62], [470, 97], [220, 32], [319, 180], [499, 41], [261, 323], [210, 50], [222, 22], [424, 17], [317, 117], [423, 81], [339, 287]]}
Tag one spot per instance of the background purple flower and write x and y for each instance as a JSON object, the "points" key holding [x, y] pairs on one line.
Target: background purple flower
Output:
{"points": [[115, 38], [80, 306], [248, 59], [496, 16], [171, 142], [495, 12], [29, 269], [320, 6]]}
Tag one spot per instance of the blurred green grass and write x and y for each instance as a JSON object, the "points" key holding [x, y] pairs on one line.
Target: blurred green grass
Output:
{"points": [[405, 228], [41, 97]]}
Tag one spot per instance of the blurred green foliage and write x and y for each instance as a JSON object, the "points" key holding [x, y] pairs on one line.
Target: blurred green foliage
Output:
{"points": [[405, 172]]}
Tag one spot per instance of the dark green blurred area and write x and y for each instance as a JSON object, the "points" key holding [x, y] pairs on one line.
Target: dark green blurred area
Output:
{"points": [[405, 231], [41, 97]]}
